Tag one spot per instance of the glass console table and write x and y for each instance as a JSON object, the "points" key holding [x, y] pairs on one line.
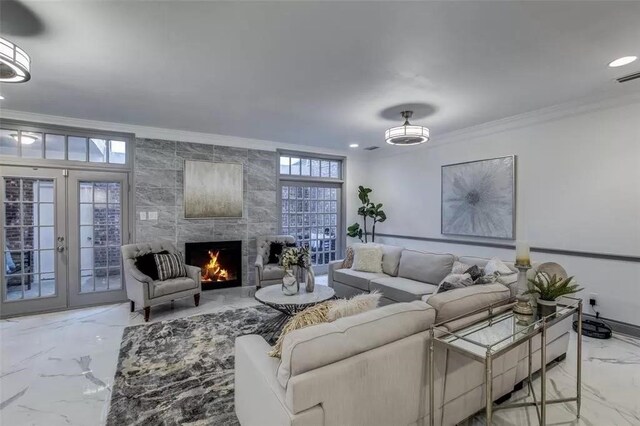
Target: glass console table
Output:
{"points": [[499, 333]]}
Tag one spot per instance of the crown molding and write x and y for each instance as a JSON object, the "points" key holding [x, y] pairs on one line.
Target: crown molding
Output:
{"points": [[146, 132], [552, 113]]}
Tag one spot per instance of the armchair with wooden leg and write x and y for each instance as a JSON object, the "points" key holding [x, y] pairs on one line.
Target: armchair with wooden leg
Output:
{"points": [[143, 291]]}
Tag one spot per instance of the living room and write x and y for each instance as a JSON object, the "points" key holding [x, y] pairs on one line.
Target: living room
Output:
{"points": [[319, 213]]}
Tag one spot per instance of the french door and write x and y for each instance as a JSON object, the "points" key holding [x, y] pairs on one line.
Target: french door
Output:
{"points": [[61, 236]]}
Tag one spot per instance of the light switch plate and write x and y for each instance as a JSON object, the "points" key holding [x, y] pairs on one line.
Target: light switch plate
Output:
{"points": [[153, 215], [143, 215]]}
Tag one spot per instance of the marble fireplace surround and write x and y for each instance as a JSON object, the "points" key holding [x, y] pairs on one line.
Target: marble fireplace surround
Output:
{"points": [[158, 179]]}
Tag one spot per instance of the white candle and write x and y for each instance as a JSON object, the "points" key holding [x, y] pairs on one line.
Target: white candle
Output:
{"points": [[522, 253]]}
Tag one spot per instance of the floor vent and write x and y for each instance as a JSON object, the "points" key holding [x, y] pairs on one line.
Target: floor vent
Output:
{"points": [[628, 77], [371, 148]]}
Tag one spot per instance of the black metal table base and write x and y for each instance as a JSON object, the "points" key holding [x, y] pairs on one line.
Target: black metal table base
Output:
{"points": [[270, 330]]}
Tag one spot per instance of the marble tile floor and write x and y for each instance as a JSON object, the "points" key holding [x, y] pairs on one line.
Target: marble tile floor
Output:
{"points": [[57, 369]]}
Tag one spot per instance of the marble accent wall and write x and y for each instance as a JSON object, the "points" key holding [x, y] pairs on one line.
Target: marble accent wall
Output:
{"points": [[158, 179]]}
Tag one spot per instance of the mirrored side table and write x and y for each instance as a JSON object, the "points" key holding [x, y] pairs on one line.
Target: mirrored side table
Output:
{"points": [[492, 337]]}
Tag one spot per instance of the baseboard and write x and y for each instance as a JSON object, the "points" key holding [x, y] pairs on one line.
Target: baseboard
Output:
{"points": [[617, 326]]}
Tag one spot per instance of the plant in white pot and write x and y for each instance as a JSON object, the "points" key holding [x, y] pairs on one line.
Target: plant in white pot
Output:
{"points": [[549, 289]]}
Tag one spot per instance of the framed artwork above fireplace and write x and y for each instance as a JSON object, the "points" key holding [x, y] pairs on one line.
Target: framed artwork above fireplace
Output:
{"points": [[212, 190]]}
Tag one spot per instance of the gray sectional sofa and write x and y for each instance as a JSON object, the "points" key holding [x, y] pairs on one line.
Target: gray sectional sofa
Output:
{"points": [[407, 275]]}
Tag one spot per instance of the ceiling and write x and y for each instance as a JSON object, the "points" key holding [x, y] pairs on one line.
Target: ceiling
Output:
{"points": [[315, 73]]}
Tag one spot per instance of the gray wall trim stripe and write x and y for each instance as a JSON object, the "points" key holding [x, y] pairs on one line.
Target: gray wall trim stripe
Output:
{"points": [[592, 255]]}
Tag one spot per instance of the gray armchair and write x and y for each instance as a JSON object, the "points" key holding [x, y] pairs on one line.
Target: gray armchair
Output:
{"points": [[146, 292], [269, 273]]}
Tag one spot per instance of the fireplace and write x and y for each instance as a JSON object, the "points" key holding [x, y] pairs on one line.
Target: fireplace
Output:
{"points": [[220, 263]]}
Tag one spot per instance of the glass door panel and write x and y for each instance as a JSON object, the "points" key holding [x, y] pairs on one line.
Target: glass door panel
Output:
{"points": [[33, 265], [311, 213], [97, 225]]}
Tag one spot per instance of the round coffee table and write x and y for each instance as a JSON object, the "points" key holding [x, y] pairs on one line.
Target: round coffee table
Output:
{"points": [[288, 306]]}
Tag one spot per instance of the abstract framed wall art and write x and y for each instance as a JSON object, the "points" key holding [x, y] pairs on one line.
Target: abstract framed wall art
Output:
{"points": [[479, 198], [212, 190]]}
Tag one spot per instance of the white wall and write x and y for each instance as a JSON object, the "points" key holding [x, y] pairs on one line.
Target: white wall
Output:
{"points": [[578, 188]]}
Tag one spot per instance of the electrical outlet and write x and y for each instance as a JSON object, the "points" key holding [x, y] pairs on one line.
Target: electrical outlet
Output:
{"points": [[593, 299], [153, 215], [143, 215]]}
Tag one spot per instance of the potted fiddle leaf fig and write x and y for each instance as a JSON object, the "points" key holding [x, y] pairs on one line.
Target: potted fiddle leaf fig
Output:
{"points": [[370, 210], [549, 289]]}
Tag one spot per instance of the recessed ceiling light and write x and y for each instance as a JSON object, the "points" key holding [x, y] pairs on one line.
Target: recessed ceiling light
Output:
{"points": [[353, 145], [625, 60], [1, 98]]}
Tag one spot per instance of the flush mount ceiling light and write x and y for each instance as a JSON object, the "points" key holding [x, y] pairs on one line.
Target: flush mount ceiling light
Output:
{"points": [[15, 64], [353, 145], [626, 60], [25, 138], [407, 134]]}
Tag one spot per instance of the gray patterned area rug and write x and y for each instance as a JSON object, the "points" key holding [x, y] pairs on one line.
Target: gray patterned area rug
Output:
{"points": [[180, 371]]}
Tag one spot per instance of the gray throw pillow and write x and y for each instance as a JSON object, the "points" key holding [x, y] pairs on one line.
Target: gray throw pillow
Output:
{"points": [[475, 272], [487, 279], [452, 285]]}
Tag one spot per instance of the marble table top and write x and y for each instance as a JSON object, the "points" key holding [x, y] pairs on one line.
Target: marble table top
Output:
{"points": [[273, 295]]}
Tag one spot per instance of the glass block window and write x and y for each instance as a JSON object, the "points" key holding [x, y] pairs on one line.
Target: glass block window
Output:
{"points": [[311, 214], [57, 146], [291, 165]]}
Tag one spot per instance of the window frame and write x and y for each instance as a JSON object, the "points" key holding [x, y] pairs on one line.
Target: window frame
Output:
{"points": [[67, 132], [340, 183]]}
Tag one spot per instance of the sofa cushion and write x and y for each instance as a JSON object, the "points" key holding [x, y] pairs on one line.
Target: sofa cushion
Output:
{"points": [[462, 301], [356, 279], [272, 271], [170, 286], [426, 267], [313, 347], [391, 259], [401, 289]]}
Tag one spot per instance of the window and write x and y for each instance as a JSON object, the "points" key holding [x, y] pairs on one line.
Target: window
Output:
{"points": [[310, 194], [318, 168], [57, 146]]}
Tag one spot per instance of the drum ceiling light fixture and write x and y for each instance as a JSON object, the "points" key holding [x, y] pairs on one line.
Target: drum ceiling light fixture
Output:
{"points": [[15, 64], [407, 134]]}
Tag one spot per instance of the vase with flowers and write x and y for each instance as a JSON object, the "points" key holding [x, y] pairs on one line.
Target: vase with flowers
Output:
{"points": [[295, 261]]}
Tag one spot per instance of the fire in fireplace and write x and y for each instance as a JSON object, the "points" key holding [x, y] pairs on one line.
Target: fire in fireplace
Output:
{"points": [[220, 263]]}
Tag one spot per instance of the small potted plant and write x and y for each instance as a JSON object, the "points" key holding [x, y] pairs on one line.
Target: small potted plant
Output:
{"points": [[549, 289]]}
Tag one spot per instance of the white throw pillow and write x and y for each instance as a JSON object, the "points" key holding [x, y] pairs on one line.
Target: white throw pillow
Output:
{"points": [[367, 258], [508, 279], [497, 265], [459, 267], [357, 304]]}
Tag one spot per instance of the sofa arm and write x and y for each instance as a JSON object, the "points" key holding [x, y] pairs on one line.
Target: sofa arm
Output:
{"points": [[193, 272], [461, 302], [259, 267], [259, 398], [333, 265]]}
